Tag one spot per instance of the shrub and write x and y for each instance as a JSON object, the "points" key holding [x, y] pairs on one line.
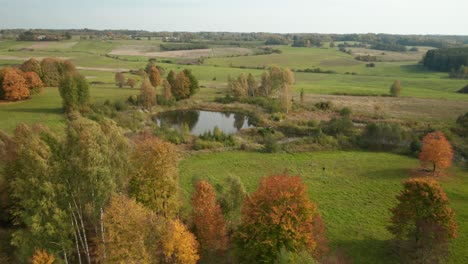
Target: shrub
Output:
{"points": [[384, 136], [336, 126], [345, 111], [270, 143], [324, 105]]}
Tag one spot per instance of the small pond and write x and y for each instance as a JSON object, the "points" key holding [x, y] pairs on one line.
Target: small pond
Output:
{"points": [[200, 121]]}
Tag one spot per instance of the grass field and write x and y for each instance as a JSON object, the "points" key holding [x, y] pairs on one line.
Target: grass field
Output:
{"points": [[354, 192], [46, 108]]}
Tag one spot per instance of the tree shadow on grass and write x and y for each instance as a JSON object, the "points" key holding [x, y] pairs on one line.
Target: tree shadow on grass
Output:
{"points": [[37, 110], [367, 251]]}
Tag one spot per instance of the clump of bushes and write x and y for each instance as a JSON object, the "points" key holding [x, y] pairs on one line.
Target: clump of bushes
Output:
{"points": [[173, 135], [269, 104], [384, 136], [343, 125], [324, 105], [215, 139]]}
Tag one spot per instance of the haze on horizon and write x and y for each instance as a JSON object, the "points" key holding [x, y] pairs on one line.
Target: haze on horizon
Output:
{"points": [[293, 16]]}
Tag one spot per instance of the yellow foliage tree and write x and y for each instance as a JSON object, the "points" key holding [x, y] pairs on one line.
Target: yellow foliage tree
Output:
{"points": [[179, 245], [42, 257]]}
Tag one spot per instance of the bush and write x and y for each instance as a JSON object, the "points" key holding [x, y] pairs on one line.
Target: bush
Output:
{"points": [[269, 104], [345, 111], [218, 136], [206, 144], [324, 105], [225, 100], [270, 144], [384, 136], [336, 126]]}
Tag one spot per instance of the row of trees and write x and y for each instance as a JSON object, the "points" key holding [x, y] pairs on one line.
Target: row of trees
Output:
{"points": [[30, 78], [447, 59], [176, 86], [276, 83]]}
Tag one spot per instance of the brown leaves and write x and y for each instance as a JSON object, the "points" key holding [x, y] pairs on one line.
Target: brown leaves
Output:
{"points": [[210, 227], [279, 214], [42, 257], [154, 76], [14, 85], [437, 151], [423, 221]]}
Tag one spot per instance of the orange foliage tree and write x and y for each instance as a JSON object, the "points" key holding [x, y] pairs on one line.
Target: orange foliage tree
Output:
{"points": [[436, 150], [208, 221], [154, 77], [423, 222], [42, 257], [279, 214], [179, 245], [14, 85], [33, 82]]}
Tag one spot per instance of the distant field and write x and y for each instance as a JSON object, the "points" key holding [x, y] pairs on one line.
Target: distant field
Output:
{"points": [[354, 192], [150, 51], [384, 55], [417, 82]]}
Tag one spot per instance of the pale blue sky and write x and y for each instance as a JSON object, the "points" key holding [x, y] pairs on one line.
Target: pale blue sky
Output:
{"points": [[323, 16]]}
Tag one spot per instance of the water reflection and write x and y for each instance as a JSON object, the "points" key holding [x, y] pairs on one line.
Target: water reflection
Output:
{"points": [[202, 121]]}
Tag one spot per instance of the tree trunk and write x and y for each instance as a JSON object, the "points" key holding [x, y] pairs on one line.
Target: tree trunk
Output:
{"points": [[102, 235]]}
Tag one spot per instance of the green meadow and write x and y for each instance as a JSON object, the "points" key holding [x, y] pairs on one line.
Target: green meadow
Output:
{"points": [[354, 192]]}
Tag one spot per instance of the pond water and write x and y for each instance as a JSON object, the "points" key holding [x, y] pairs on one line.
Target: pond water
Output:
{"points": [[200, 121]]}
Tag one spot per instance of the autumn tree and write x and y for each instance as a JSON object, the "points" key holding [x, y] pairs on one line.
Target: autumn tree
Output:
{"points": [[33, 174], [95, 156], [147, 94], [131, 82], [128, 232], [167, 93], [193, 87], [74, 90], [34, 82], [207, 218], [181, 87], [42, 257], [252, 85], [155, 177], [61, 185], [436, 150], [395, 89], [278, 215], [14, 85], [32, 65], [179, 245], [423, 222], [239, 86], [286, 89], [50, 72], [119, 79], [154, 77], [171, 77]]}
